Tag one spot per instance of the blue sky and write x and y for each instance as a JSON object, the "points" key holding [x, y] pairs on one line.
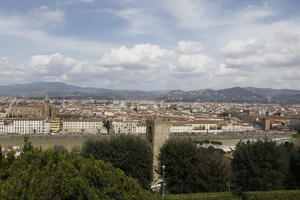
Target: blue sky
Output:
{"points": [[150, 45]]}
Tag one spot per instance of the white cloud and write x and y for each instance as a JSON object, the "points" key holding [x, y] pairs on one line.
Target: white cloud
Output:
{"points": [[190, 47], [147, 66], [44, 16], [201, 14], [70, 2], [32, 40], [143, 66], [145, 55], [87, 1], [140, 21], [282, 50]]}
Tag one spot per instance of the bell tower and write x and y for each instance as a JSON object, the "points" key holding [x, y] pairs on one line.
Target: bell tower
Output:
{"points": [[47, 112]]}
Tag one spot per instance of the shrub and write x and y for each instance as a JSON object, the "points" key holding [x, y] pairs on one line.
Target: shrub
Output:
{"points": [[273, 195], [202, 196]]}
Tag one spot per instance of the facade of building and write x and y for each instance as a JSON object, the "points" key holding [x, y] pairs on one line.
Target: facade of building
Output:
{"points": [[206, 126], [141, 128], [55, 125], [181, 128], [25, 126], [125, 126], [234, 128], [84, 126]]}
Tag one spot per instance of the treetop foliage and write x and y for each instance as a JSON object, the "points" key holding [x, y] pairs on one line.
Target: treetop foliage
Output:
{"points": [[57, 175], [191, 169], [129, 153]]}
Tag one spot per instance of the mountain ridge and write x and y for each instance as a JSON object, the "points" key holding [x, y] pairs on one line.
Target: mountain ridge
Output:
{"points": [[234, 94]]}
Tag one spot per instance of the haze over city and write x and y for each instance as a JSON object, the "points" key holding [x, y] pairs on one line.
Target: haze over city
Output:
{"points": [[151, 45]]}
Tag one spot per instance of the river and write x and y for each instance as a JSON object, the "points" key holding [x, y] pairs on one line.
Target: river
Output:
{"points": [[70, 141]]}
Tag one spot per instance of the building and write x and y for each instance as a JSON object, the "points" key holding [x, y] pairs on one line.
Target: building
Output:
{"points": [[178, 127], [84, 126], [141, 128], [6, 127], [33, 111], [2, 114], [234, 128], [31, 126], [125, 126], [207, 126], [55, 125]]}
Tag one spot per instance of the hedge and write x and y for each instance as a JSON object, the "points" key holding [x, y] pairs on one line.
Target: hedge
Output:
{"points": [[261, 195], [272, 195], [201, 196]]}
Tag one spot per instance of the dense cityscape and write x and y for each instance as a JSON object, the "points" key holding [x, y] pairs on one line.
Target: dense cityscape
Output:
{"points": [[26, 116], [149, 100]]}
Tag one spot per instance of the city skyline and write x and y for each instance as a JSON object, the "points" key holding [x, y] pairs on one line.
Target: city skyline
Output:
{"points": [[151, 45]]}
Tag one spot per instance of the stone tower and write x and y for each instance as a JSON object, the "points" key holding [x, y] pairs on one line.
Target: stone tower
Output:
{"points": [[266, 124], [157, 133]]}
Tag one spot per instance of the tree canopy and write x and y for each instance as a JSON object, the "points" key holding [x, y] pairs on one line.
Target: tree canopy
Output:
{"points": [[129, 153], [58, 175], [260, 165], [191, 169]]}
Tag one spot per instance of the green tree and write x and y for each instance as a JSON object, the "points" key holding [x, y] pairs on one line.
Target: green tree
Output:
{"points": [[296, 127], [27, 144], [56, 175], [294, 175], [260, 165], [129, 153], [107, 125], [191, 169], [216, 170]]}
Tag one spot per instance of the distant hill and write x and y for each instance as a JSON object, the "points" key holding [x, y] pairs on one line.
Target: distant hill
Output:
{"points": [[236, 94], [62, 90]]}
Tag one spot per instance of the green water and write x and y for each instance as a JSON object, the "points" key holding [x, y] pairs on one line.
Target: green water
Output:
{"points": [[70, 141], [46, 142]]}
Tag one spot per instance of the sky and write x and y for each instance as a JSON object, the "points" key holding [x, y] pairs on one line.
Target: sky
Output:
{"points": [[151, 45]]}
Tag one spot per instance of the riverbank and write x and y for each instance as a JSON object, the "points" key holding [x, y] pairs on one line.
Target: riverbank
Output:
{"points": [[77, 140], [263, 135]]}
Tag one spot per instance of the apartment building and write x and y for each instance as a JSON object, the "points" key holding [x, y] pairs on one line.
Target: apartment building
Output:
{"points": [[84, 126], [125, 126], [31, 126]]}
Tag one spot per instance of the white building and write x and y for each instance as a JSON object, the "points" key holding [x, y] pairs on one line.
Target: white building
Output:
{"points": [[31, 126], [6, 127], [86, 126], [207, 126], [181, 128], [125, 126], [141, 128], [237, 128]]}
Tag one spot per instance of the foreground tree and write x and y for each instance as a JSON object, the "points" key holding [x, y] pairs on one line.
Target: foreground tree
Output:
{"points": [[56, 175], [260, 165], [294, 175], [296, 127], [129, 153], [190, 169]]}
